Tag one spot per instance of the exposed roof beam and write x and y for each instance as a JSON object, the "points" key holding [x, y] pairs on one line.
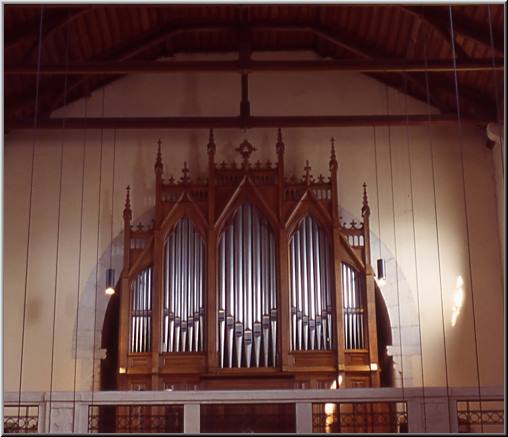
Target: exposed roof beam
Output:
{"points": [[243, 122], [462, 25], [362, 66], [440, 24], [50, 24]]}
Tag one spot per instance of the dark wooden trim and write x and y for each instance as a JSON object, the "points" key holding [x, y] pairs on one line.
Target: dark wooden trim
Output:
{"points": [[361, 66], [248, 122]]}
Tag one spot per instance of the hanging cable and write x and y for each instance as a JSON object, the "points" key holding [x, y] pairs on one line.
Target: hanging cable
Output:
{"points": [[381, 270], [395, 248], [496, 90], [461, 148], [58, 232], [110, 277], [432, 160], [501, 137], [79, 266], [30, 198], [415, 254], [97, 254]]}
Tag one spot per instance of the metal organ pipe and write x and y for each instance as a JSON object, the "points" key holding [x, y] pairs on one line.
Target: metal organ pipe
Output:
{"points": [[140, 309], [311, 305], [247, 291], [354, 335], [183, 288]]}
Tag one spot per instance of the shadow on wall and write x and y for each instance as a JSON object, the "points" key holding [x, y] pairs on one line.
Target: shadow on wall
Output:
{"points": [[402, 343]]}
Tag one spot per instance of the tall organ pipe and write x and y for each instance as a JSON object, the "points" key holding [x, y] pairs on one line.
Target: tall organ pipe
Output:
{"points": [[247, 267], [354, 334], [140, 310], [311, 322], [183, 288]]}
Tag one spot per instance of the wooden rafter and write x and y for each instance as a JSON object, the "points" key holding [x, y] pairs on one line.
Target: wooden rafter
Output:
{"points": [[244, 122], [440, 25], [156, 67], [461, 26], [51, 24]]}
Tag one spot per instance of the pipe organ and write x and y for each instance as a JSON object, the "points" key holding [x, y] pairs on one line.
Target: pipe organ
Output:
{"points": [[247, 279], [354, 336], [311, 300], [183, 289], [140, 306], [247, 289]]}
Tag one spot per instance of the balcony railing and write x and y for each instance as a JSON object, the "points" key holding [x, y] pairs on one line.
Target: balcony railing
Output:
{"points": [[362, 410]]}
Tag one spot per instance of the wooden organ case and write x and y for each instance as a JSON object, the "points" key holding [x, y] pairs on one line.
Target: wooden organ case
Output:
{"points": [[247, 280]]}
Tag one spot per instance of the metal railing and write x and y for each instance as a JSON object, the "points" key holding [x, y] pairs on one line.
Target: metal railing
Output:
{"points": [[301, 410]]}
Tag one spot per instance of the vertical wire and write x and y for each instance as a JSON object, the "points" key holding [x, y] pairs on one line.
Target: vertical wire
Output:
{"points": [[97, 253], [79, 267], [415, 254], [432, 160], [58, 231], [498, 112], [377, 192], [30, 198], [461, 148], [501, 138], [112, 200], [395, 247]]}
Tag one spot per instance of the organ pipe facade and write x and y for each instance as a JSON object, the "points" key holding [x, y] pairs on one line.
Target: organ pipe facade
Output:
{"points": [[247, 291], [311, 297], [247, 279]]}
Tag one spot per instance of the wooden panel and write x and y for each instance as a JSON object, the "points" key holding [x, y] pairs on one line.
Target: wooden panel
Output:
{"points": [[183, 363], [357, 381], [139, 360], [264, 382], [325, 360], [357, 358]]}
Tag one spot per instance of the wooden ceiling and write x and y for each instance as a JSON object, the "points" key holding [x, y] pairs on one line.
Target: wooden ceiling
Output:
{"points": [[111, 34]]}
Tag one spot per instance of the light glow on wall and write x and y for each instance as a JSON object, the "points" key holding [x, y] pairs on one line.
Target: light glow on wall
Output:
{"points": [[458, 300]]}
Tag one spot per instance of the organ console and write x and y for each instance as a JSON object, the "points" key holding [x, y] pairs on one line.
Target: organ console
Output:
{"points": [[247, 280]]}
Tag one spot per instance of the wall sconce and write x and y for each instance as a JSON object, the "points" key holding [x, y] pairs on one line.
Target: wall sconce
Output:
{"points": [[381, 272], [110, 282]]}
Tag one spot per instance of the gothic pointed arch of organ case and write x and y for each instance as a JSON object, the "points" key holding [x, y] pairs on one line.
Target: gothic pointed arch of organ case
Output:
{"points": [[247, 280]]}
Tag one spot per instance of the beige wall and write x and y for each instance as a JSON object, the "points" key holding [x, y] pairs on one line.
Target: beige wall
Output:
{"points": [[289, 94]]}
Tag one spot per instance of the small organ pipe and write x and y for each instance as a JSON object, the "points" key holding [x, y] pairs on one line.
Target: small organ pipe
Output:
{"points": [[310, 287], [299, 308]]}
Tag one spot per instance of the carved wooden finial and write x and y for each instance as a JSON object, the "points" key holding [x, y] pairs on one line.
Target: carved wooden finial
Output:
{"points": [[127, 213], [245, 149], [307, 169], [185, 171], [333, 158], [280, 143], [211, 143], [365, 204], [158, 161]]}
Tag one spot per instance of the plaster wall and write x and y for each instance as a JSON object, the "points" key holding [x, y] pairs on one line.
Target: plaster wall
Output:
{"points": [[416, 192]]}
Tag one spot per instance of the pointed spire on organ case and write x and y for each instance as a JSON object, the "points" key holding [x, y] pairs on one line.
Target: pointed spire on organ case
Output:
{"points": [[280, 144], [307, 175], [158, 161], [365, 203], [185, 179], [211, 143], [127, 213], [333, 158]]}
